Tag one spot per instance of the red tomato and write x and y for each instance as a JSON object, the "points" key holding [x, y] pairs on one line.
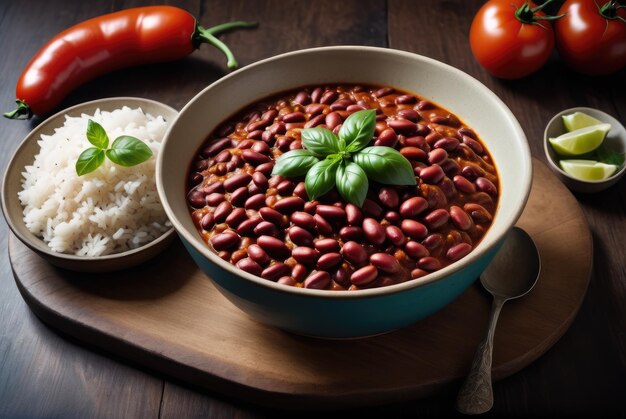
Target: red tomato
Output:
{"points": [[511, 38], [591, 37]]}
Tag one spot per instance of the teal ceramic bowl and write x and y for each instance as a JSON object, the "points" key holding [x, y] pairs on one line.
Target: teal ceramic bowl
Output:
{"points": [[346, 314]]}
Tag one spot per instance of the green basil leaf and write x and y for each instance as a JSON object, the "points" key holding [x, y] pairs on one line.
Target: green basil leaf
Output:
{"points": [[97, 135], [128, 151], [352, 183], [608, 156], [385, 165], [320, 179], [358, 129], [294, 163], [89, 160], [320, 141]]}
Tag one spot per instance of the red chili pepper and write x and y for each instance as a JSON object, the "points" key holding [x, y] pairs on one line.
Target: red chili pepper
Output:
{"points": [[141, 35]]}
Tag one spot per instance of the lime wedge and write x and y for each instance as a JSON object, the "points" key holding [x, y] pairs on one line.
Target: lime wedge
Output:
{"points": [[578, 120], [588, 169], [580, 141]]}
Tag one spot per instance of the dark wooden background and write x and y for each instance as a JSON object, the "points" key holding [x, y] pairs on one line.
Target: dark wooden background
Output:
{"points": [[43, 374]]}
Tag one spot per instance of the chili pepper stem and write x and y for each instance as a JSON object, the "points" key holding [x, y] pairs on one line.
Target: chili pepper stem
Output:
{"points": [[22, 111], [208, 35]]}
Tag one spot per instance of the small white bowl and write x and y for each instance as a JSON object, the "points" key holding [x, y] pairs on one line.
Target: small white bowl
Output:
{"points": [[25, 154], [615, 140]]}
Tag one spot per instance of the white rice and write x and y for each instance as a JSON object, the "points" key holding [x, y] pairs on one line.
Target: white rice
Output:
{"points": [[110, 210]]}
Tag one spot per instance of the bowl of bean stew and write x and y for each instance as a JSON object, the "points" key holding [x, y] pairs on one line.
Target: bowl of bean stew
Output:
{"points": [[344, 192]]}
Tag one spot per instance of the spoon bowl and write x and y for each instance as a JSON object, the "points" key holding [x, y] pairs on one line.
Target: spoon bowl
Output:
{"points": [[512, 274]]}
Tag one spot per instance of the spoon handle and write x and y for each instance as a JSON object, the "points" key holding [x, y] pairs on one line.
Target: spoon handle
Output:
{"points": [[476, 394]]}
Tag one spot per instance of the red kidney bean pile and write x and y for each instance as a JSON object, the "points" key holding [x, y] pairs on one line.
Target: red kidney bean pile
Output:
{"points": [[266, 225]]}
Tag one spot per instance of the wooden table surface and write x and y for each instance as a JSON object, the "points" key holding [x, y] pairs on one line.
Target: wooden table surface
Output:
{"points": [[44, 374]]}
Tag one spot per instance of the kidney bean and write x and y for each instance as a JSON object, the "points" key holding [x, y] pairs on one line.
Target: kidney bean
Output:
{"points": [[342, 277], [403, 126], [354, 253], [473, 144], [485, 185], [302, 98], [409, 114], [413, 206], [395, 235], [285, 188], [355, 108], [272, 216], [364, 276], [373, 231], [255, 135], [250, 266], [289, 205], [354, 216], [437, 218], [317, 280], [460, 218], [266, 228], [305, 255], [423, 130], [303, 220], [351, 233], [458, 251], [237, 181], [328, 260], [207, 221], [236, 217], [332, 119], [197, 198], [225, 241], [237, 255], [328, 97], [246, 228], [222, 211], [223, 156], [405, 99], [275, 271], [224, 254], [432, 174], [310, 206], [434, 195], [478, 213], [467, 132], [413, 229], [265, 168], [258, 125], [283, 143], [432, 137], [215, 147], [286, 280], [315, 121], [300, 236], [341, 104], [413, 153], [418, 273], [447, 143], [415, 250], [239, 196], [299, 272], [294, 117], [274, 247], [383, 91], [463, 185], [417, 141], [433, 241], [388, 196], [385, 262], [429, 263], [257, 254], [472, 171], [387, 137], [331, 212], [327, 245], [316, 95], [214, 199], [255, 202]]}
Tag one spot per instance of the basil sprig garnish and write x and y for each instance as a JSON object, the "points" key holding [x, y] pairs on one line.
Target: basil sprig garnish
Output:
{"points": [[126, 150], [330, 160]]}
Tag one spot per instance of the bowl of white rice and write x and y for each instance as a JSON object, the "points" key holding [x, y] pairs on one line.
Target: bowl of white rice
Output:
{"points": [[103, 221]]}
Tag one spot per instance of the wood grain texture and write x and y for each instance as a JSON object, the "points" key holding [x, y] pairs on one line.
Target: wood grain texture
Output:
{"points": [[43, 374], [166, 316]]}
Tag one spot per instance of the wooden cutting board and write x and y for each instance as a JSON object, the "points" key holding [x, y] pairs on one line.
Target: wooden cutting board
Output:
{"points": [[168, 317]]}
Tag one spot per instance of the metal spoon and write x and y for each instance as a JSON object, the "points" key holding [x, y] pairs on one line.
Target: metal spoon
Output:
{"points": [[512, 274]]}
